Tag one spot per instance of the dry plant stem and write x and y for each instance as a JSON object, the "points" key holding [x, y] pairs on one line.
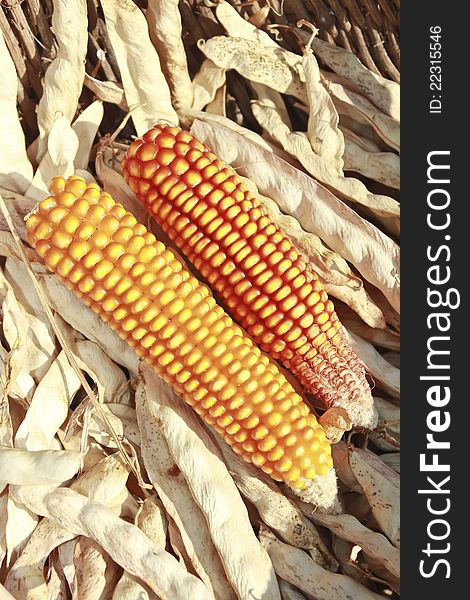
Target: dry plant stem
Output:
{"points": [[26, 37], [41, 24], [27, 75], [20, 65], [108, 65], [363, 50], [382, 57], [393, 49], [123, 123], [86, 386]]}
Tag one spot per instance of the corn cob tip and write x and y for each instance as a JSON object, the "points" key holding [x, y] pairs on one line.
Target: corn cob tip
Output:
{"points": [[139, 287], [322, 492]]}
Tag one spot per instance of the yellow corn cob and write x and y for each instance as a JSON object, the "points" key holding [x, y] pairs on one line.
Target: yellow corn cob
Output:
{"points": [[144, 292], [252, 265]]}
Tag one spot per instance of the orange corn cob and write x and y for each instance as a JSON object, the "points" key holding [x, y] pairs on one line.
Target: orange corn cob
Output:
{"points": [[251, 264], [144, 292]]}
